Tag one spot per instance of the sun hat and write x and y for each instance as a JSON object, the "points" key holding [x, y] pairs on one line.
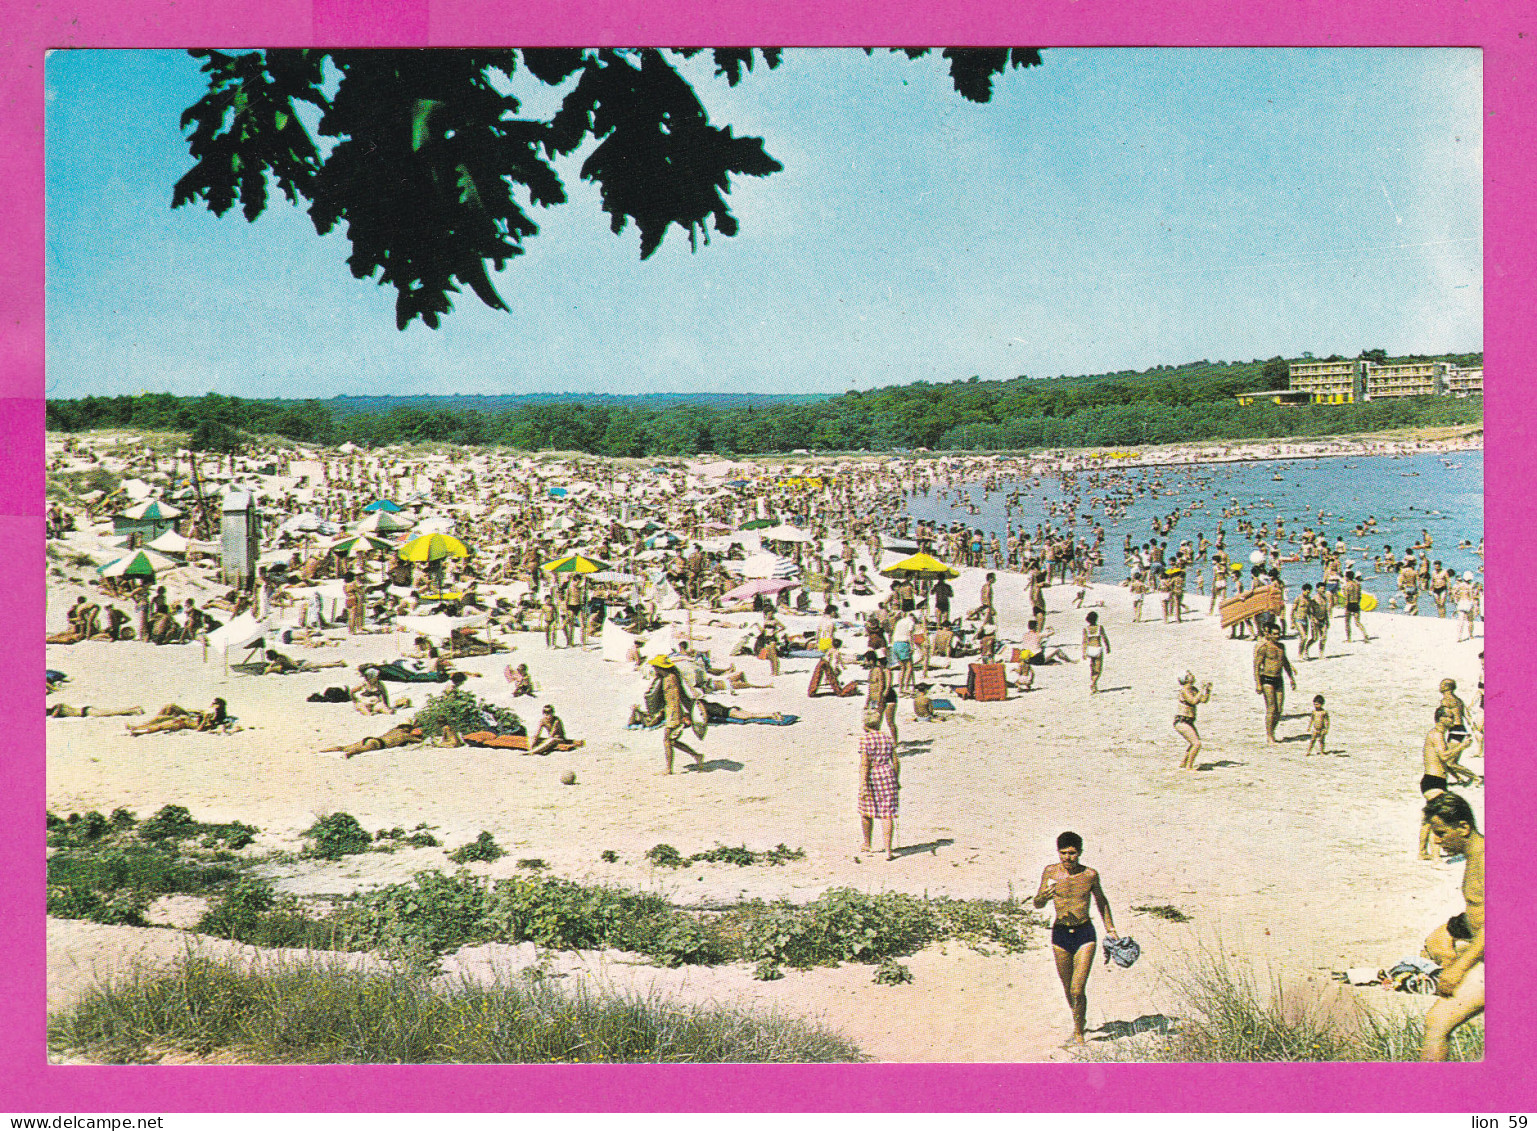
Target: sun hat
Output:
{"points": [[661, 662]]}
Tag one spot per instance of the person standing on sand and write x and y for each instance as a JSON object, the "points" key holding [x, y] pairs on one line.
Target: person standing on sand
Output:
{"points": [[677, 707], [1440, 766], [1270, 664], [1096, 644], [1069, 884], [1352, 595], [880, 782], [1184, 716], [1458, 945], [880, 695]]}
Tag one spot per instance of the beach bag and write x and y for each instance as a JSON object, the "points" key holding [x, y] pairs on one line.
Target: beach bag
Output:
{"points": [[1122, 951]]}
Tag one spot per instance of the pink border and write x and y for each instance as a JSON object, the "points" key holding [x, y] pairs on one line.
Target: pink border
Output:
{"points": [[28, 1083]]}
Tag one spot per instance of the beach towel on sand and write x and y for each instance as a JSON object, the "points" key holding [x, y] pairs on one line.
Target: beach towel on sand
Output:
{"points": [[782, 721], [497, 741]]}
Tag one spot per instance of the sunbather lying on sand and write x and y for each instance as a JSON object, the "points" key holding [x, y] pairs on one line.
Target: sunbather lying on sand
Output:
{"points": [[280, 664], [171, 717], [401, 735], [65, 711]]}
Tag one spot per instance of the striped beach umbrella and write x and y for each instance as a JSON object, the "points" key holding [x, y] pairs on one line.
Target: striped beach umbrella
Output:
{"points": [[573, 563], [141, 563]]}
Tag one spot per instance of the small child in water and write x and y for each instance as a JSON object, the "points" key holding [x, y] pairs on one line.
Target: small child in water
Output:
{"points": [[1318, 725]]}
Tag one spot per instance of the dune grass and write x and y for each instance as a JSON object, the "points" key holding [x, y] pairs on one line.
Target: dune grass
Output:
{"points": [[1223, 1017], [320, 1011]]}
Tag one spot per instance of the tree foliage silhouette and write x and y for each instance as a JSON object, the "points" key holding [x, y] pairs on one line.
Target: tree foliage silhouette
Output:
{"points": [[425, 163]]}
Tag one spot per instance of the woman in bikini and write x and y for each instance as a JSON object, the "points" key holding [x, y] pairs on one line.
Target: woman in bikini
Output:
{"points": [[171, 717], [1184, 716], [1096, 643]]}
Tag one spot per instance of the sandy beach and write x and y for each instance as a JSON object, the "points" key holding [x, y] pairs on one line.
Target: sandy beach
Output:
{"points": [[1295, 866]]}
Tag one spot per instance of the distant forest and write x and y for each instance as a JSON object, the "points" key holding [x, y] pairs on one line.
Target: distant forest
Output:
{"points": [[1165, 404]]}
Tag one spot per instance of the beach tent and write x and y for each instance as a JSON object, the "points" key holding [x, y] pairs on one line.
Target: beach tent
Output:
{"points": [[784, 533], [757, 524], [136, 488], [380, 505], [149, 519]]}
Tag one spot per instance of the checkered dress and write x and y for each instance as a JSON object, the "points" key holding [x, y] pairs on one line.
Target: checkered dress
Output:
{"points": [[878, 792]]}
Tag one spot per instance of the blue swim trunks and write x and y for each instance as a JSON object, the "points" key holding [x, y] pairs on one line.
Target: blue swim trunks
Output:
{"points": [[902, 650], [1072, 938]]}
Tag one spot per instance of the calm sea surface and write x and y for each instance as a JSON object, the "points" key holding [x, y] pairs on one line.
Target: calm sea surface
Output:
{"points": [[1442, 493]]}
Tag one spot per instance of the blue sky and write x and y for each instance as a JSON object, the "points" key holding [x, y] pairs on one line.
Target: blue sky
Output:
{"points": [[1111, 209]]}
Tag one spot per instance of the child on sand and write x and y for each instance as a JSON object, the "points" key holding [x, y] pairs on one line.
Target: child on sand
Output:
{"points": [[1318, 726]]}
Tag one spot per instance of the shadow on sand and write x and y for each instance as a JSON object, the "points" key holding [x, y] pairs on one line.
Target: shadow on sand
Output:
{"points": [[1147, 1023]]}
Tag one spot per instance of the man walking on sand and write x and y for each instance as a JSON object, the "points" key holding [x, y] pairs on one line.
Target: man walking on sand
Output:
{"points": [[1458, 945], [1270, 663], [1069, 884]]}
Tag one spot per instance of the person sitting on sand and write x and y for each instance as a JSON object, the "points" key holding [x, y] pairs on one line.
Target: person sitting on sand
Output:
{"points": [[553, 733], [1069, 884], [171, 717], [403, 734], [522, 682], [1036, 648], [65, 711], [371, 697], [829, 669], [1458, 945]]}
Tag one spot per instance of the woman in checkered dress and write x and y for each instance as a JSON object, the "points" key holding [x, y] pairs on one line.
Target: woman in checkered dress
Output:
{"points": [[880, 779]]}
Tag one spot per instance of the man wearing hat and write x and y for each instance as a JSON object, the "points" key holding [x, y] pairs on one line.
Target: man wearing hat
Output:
{"points": [[677, 708]]}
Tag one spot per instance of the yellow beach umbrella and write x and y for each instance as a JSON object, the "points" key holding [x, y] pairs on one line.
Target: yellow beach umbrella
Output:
{"points": [[920, 566], [434, 547]]}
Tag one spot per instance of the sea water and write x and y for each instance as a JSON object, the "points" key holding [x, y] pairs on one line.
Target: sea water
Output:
{"points": [[1439, 492]]}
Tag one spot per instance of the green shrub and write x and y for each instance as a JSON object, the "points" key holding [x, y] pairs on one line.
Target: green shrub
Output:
{"points": [[482, 848], [768, 971], [418, 921], [465, 712], [891, 973], [336, 835], [609, 856], [665, 856], [171, 822]]}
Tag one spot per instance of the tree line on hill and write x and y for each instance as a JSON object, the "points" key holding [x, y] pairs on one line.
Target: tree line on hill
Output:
{"points": [[1165, 404]]}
